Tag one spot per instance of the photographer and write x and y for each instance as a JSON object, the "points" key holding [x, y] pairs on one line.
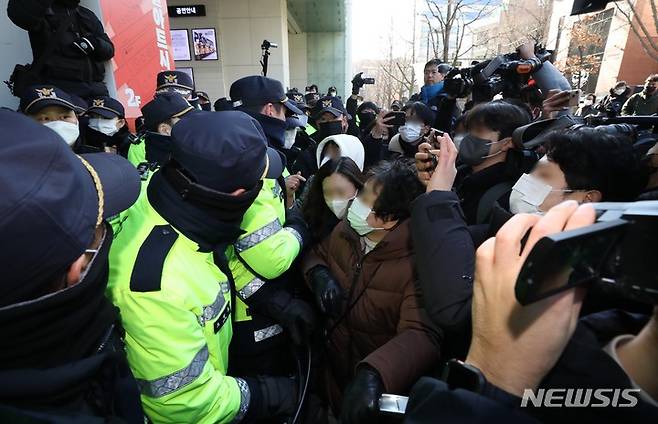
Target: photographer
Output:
{"points": [[68, 43], [485, 176], [583, 165], [516, 348]]}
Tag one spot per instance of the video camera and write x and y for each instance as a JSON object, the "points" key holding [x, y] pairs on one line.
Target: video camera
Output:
{"points": [[360, 81], [616, 254], [505, 74]]}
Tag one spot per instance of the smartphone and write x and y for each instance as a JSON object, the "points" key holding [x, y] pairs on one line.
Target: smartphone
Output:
{"points": [[393, 404], [399, 118], [574, 98], [569, 259]]}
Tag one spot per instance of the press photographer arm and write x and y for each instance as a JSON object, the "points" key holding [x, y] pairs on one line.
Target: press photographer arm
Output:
{"points": [[513, 346]]}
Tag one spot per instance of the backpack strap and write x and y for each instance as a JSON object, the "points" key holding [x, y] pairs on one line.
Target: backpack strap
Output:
{"points": [[489, 198]]}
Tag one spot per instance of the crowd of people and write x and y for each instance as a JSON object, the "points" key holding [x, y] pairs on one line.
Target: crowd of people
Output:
{"points": [[291, 257]]}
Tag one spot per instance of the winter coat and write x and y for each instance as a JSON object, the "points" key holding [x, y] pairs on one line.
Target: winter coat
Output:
{"points": [[384, 325]]}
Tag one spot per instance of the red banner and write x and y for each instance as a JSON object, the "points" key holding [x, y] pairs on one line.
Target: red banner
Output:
{"points": [[139, 30]]}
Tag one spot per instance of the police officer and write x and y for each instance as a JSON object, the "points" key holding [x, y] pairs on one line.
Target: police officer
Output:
{"points": [[204, 101], [61, 356], [55, 109], [160, 116], [273, 238], [165, 275], [106, 125], [177, 82]]}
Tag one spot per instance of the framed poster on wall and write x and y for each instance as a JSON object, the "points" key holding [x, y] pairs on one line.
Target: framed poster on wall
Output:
{"points": [[188, 71], [205, 44], [180, 43]]}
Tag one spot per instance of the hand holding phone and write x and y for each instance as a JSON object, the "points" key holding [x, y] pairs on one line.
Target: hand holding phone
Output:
{"points": [[574, 98], [398, 119]]}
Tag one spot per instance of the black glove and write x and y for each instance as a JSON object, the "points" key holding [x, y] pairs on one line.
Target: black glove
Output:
{"points": [[85, 45], [327, 292], [294, 315], [295, 220], [357, 83], [361, 399], [271, 397]]}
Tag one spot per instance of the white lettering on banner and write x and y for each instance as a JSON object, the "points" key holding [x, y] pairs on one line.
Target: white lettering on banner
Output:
{"points": [[580, 398], [160, 34], [133, 100]]}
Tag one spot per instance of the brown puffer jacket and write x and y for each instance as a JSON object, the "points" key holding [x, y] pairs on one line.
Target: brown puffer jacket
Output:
{"points": [[383, 328]]}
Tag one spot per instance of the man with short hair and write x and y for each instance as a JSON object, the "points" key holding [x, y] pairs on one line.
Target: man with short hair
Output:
{"points": [[61, 355], [645, 102]]}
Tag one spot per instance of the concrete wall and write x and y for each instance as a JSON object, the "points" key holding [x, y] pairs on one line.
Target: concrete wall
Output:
{"points": [[244, 25], [241, 27], [326, 57], [297, 44], [208, 75]]}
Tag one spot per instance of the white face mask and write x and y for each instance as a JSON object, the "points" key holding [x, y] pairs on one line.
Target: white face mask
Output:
{"points": [[105, 126], [529, 193], [67, 130], [458, 140], [589, 102], [289, 138], [357, 217], [620, 91], [339, 206], [410, 132]]}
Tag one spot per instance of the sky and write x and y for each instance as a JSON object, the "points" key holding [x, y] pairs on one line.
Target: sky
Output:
{"points": [[371, 26]]}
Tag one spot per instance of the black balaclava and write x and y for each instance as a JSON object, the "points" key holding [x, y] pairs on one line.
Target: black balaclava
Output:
{"points": [[327, 129], [210, 222], [59, 328], [274, 128]]}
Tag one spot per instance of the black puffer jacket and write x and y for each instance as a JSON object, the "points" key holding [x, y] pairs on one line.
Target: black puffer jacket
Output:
{"points": [[68, 67]]}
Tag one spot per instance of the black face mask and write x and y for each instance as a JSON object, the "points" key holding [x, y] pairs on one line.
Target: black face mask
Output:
{"points": [[327, 129], [366, 118], [206, 107], [650, 90]]}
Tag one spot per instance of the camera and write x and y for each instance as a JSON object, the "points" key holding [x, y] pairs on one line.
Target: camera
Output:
{"points": [[360, 81], [506, 74], [616, 254], [268, 45]]}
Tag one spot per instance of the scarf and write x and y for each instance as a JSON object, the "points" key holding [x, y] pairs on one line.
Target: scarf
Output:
{"points": [[428, 92], [209, 223]]}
